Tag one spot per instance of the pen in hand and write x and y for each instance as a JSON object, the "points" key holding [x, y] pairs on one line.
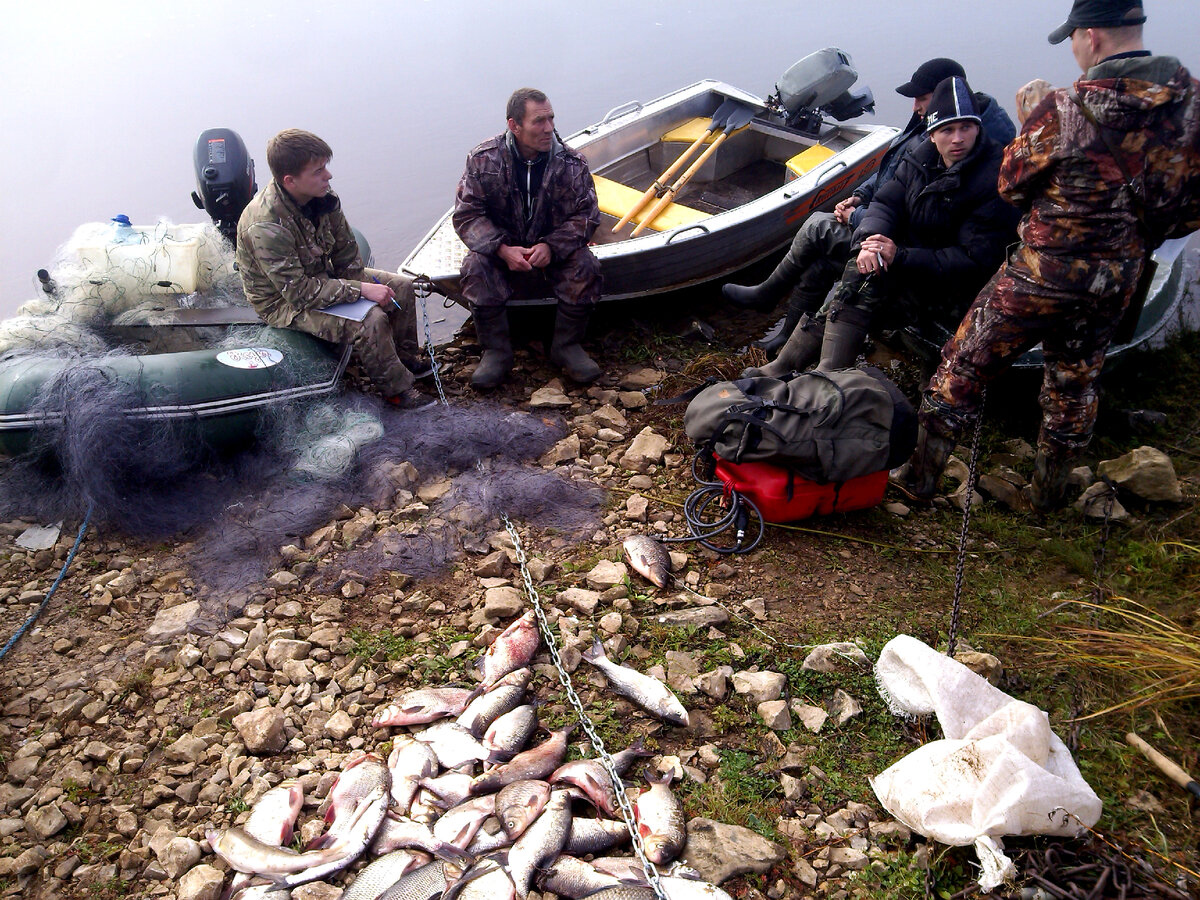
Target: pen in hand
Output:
{"points": [[394, 303]]}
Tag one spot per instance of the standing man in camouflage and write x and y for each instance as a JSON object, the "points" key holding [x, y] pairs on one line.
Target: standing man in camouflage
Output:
{"points": [[1103, 172], [526, 209], [297, 255]]}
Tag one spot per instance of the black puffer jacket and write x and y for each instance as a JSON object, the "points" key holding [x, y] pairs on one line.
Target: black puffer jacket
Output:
{"points": [[950, 225]]}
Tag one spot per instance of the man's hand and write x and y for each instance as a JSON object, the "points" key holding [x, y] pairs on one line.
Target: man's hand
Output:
{"points": [[876, 254], [539, 255], [516, 258], [378, 293], [842, 211], [1030, 96]]}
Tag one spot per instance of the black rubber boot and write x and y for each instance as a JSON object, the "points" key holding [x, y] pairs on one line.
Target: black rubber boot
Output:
{"points": [[491, 327], [570, 326], [800, 351], [764, 296], [918, 478], [845, 330], [1048, 489], [798, 304]]}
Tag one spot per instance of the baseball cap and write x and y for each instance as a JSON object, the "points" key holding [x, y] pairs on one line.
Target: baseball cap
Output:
{"points": [[1098, 14], [929, 75]]}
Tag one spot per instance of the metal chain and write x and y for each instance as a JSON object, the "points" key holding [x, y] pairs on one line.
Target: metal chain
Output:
{"points": [[422, 288], [960, 563], [589, 729]]}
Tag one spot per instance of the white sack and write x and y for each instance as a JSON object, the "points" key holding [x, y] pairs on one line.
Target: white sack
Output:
{"points": [[1000, 769]]}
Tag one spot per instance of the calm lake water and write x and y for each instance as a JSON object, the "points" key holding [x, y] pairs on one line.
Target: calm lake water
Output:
{"points": [[103, 102]]}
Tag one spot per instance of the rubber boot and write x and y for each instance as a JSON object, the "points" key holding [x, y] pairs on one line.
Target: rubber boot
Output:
{"points": [[845, 330], [918, 478], [491, 327], [570, 325], [772, 342], [764, 296], [1048, 489], [801, 350]]}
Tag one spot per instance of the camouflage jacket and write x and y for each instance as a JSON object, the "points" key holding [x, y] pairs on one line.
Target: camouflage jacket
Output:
{"points": [[488, 210], [1080, 222], [289, 265]]}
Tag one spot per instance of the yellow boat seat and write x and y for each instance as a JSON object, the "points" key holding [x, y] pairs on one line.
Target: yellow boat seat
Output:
{"points": [[694, 128], [808, 160], [616, 199]]}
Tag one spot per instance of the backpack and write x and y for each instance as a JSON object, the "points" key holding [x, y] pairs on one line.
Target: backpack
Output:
{"points": [[826, 426]]}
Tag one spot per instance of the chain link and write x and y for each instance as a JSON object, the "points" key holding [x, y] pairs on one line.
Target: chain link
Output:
{"points": [[422, 288], [589, 729], [960, 563]]}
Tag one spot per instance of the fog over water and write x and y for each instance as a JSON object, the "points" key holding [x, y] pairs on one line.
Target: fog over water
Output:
{"points": [[103, 102]]}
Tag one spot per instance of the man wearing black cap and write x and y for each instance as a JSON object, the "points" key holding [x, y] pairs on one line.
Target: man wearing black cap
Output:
{"points": [[822, 245], [1103, 172]]}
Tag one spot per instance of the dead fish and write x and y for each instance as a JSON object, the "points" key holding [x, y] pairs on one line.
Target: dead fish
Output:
{"points": [[450, 789], [512, 650], [425, 705], [486, 880], [590, 777], [535, 763], [490, 838], [508, 734], [409, 762], [625, 892], [590, 836], [384, 872], [361, 777], [452, 743], [424, 883], [660, 820], [487, 708], [570, 877], [246, 854], [649, 558], [516, 678], [353, 840], [631, 754], [630, 871], [541, 843], [274, 814], [459, 825], [398, 833], [519, 803], [648, 693]]}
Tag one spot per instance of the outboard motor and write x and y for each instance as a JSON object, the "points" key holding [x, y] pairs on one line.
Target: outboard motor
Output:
{"points": [[224, 178], [819, 83]]}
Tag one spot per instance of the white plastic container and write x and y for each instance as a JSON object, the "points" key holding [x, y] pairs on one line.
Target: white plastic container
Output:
{"points": [[166, 261]]}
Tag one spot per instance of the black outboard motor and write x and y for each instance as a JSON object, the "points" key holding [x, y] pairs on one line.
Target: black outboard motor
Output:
{"points": [[820, 84], [224, 178]]}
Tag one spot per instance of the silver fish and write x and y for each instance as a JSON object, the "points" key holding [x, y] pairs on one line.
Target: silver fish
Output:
{"points": [[459, 825], [409, 762], [535, 763], [487, 708], [353, 840], [625, 892], [519, 803], [425, 705], [489, 838], [623, 760], [487, 880], [450, 789], [590, 836], [381, 874], [649, 558], [452, 743], [512, 650], [516, 678], [541, 843], [360, 778], [245, 854], [590, 777], [660, 820], [398, 833], [568, 876], [648, 693], [272, 821], [630, 871], [510, 732], [424, 883]]}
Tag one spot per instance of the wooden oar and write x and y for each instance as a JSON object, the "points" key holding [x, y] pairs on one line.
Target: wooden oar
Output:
{"points": [[739, 117], [719, 118], [1169, 768]]}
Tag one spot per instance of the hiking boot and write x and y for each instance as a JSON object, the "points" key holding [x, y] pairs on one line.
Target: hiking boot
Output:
{"points": [[409, 399], [420, 366], [764, 296], [844, 332], [918, 478], [1048, 489], [491, 328], [801, 350], [566, 350]]}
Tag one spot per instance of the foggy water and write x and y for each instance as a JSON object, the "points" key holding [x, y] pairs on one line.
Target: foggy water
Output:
{"points": [[103, 102]]}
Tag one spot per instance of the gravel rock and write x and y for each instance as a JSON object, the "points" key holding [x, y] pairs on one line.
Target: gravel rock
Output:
{"points": [[261, 730], [502, 602], [841, 656], [774, 714], [843, 707], [646, 450], [811, 717], [45, 821], [758, 687], [720, 852], [606, 574], [201, 883], [1146, 473]]}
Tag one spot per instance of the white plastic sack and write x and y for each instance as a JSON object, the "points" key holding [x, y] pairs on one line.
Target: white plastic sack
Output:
{"points": [[1000, 769]]}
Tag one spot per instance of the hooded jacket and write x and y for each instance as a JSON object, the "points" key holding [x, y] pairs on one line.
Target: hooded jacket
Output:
{"points": [[489, 211], [950, 225], [1078, 214]]}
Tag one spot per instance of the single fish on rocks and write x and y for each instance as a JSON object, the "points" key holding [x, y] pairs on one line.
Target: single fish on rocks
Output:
{"points": [[571, 877], [623, 760], [519, 803], [423, 706], [536, 763], [488, 707], [512, 650], [384, 872], [648, 693], [409, 762], [660, 820], [272, 821], [353, 840], [246, 854], [649, 558], [510, 732], [541, 843]]}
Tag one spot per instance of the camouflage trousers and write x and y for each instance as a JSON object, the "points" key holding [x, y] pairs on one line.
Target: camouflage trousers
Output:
{"points": [[574, 281], [381, 341], [1011, 314]]}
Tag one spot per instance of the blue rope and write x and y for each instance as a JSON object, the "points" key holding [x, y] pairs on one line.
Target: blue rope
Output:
{"points": [[50, 593]]}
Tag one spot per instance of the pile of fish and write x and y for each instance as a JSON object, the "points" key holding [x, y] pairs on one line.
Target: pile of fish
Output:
{"points": [[460, 809]]}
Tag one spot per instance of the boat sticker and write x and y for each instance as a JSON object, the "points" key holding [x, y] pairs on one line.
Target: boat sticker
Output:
{"points": [[250, 358]]}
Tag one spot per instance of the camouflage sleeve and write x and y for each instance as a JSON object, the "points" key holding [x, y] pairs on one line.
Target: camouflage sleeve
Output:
{"points": [[577, 212], [346, 260], [1032, 154], [275, 249], [470, 218]]}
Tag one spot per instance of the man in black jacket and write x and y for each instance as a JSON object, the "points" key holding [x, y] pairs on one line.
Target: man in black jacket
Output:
{"points": [[822, 245], [927, 243]]}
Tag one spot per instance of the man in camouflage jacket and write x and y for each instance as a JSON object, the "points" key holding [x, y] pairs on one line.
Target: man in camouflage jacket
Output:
{"points": [[1084, 240], [526, 209], [297, 255]]}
